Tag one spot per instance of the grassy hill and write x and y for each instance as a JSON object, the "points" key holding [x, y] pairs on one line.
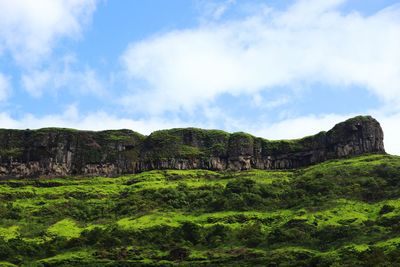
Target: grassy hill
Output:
{"points": [[338, 213]]}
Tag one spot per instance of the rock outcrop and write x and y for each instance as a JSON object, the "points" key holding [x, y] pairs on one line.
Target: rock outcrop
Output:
{"points": [[65, 152]]}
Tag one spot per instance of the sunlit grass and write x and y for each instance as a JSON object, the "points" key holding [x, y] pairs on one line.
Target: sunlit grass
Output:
{"points": [[65, 228], [41, 210]]}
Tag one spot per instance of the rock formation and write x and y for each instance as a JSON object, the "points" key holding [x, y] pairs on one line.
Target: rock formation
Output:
{"points": [[64, 152]]}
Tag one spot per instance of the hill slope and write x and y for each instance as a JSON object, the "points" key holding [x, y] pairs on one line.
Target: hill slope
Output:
{"points": [[338, 213]]}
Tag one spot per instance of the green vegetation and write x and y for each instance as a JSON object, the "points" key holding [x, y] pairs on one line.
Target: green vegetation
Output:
{"points": [[12, 152], [338, 213], [190, 143], [87, 146], [65, 228], [185, 143]]}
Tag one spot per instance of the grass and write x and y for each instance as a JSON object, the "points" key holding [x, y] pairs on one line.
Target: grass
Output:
{"points": [[339, 207], [65, 228], [390, 244], [68, 258], [9, 233], [345, 211], [6, 264]]}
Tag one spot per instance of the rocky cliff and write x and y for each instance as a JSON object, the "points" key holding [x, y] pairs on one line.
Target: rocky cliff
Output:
{"points": [[63, 152]]}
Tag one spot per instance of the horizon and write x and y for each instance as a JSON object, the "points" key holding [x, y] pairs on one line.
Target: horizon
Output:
{"points": [[274, 69], [176, 128]]}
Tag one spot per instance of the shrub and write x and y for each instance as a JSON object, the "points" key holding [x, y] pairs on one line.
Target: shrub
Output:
{"points": [[386, 209], [179, 254]]}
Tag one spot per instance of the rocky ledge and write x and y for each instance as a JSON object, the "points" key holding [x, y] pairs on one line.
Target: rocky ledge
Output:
{"points": [[65, 152]]}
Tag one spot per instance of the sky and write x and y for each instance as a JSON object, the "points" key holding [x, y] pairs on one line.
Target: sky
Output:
{"points": [[276, 69]]}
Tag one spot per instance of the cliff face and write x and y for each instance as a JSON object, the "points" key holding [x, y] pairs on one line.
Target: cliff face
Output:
{"points": [[63, 152]]}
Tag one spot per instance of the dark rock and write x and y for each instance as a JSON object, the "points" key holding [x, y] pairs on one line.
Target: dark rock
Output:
{"points": [[63, 152]]}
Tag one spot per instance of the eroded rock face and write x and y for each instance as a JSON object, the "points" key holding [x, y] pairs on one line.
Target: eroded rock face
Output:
{"points": [[64, 152]]}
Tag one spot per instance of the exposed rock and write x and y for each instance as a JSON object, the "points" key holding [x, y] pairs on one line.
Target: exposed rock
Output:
{"points": [[63, 152]]}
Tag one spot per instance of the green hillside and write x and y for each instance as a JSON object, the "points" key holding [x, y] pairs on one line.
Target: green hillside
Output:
{"points": [[338, 213]]}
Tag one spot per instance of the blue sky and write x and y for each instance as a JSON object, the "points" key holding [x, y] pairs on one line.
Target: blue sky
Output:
{"points": [[277, 69]]}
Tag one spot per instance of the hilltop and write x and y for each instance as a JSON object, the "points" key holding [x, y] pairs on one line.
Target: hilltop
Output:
{"points": [[57, 152]]}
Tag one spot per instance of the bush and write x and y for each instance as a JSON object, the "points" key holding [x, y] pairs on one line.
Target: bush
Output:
{"points": [[191, 232], [217, 235], [251, 234], [386, 209], [179, 254]]}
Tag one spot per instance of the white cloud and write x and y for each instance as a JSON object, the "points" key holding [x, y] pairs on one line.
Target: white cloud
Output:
{"points": [[100, 120], [36, 82], [310, 42], [391, 128], [63, 76], [5, 87], [214, 10], [259, 102], [29, 29], [298, 127]]}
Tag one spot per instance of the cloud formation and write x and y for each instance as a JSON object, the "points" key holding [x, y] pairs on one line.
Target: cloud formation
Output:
{"points": [[5, 87], [98, 120], [63, 76], [214, 10], [309, 42], [29, 29]]}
